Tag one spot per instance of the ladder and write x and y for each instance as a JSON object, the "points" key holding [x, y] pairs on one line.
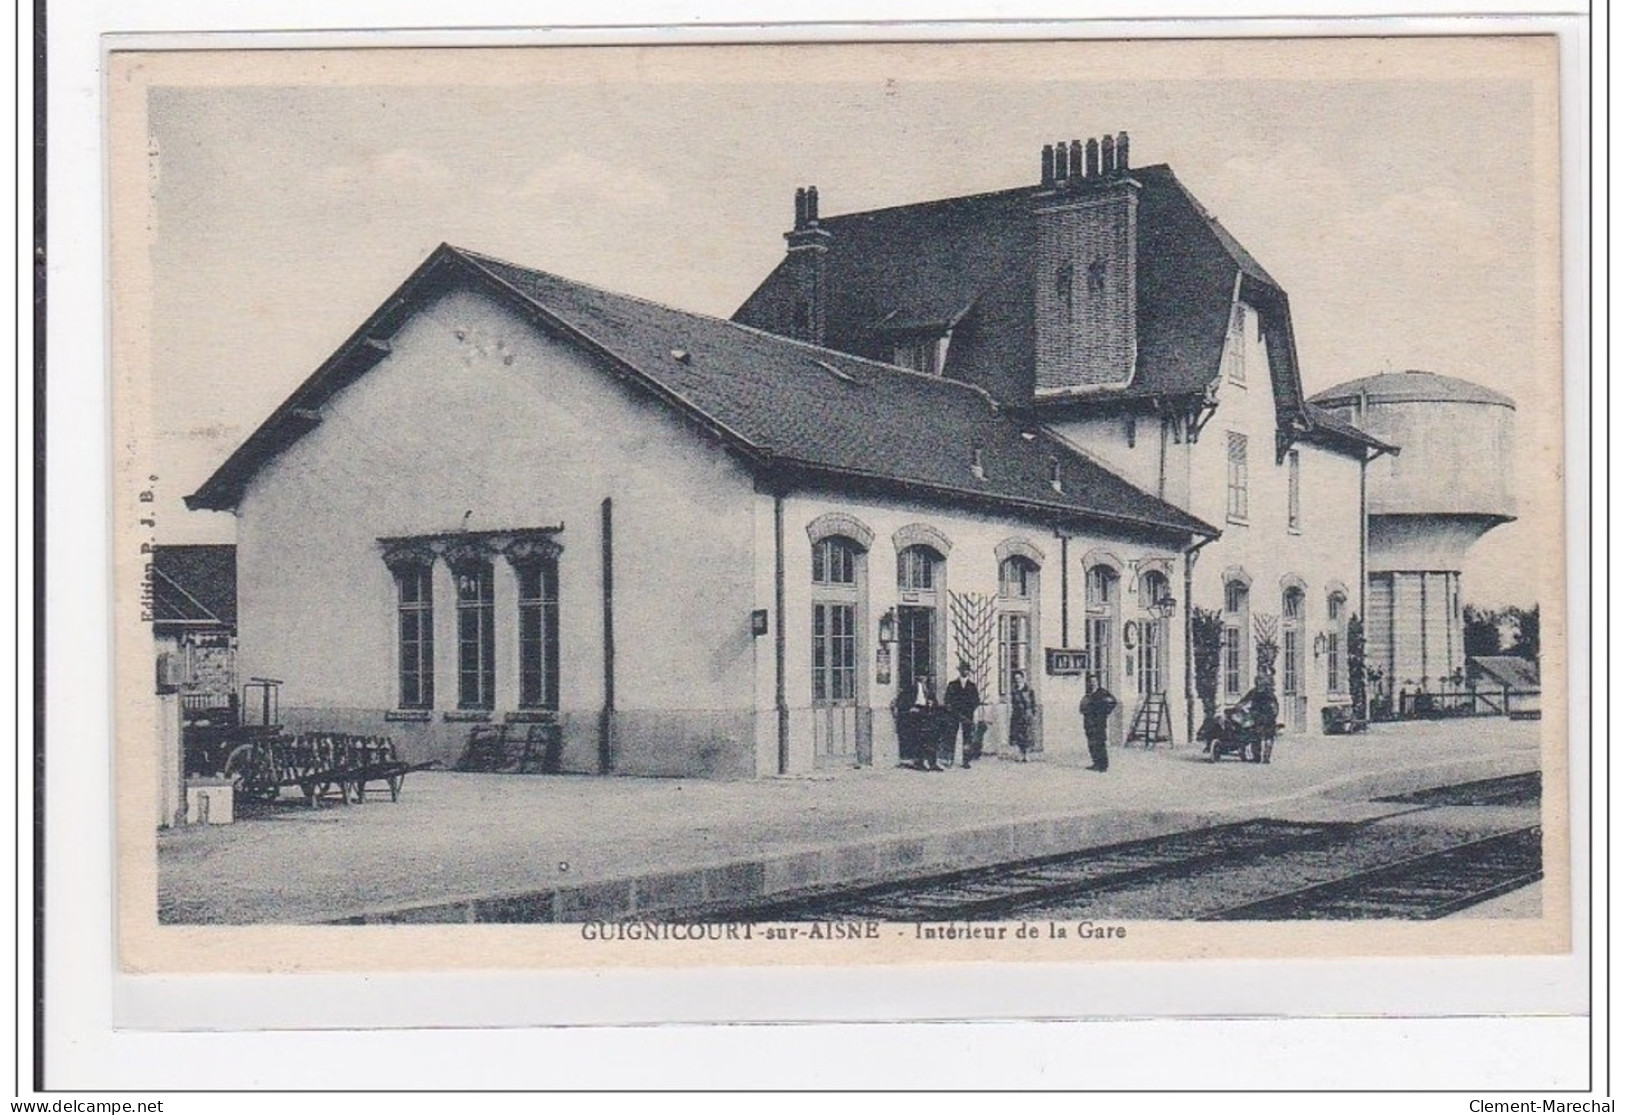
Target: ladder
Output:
{"points": [[1152, 723]]}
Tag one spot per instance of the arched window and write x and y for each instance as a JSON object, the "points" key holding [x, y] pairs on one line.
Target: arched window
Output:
{"points": [[835, 563], [917, 569], [1100, 599], [919, 584], [1292, 642], [1336, 643], [1237, 638], [1151, 645], [1018, 603]]}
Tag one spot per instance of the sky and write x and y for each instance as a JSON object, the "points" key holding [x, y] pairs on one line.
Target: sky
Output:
{"points": [[1397, 199]]}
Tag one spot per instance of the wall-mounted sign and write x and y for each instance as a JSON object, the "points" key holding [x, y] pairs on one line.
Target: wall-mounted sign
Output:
{"points": [[1064, 661], [758, 622], [883, 666]]}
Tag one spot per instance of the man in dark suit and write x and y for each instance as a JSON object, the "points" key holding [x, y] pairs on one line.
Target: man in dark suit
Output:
{"points": [[1096, 706], [963, 699]]}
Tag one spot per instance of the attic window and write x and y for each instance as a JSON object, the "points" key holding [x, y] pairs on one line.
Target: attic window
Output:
{"points": [[1063, 284], [1055, 473], [920, 355], [681, 355], [978, 467]]}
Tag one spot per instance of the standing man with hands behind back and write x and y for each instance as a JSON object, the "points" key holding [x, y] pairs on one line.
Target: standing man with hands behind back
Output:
{"points": [[1096, 706], [963, 699]]}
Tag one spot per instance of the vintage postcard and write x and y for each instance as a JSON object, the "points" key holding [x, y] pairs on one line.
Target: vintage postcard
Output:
{"points": [[577, 499]]}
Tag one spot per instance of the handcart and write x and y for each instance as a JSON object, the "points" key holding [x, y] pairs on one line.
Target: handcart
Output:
{"points": [[1246, 729]]}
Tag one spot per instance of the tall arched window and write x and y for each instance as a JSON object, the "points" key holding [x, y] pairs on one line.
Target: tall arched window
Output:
{"points": [[919, 584], [1100, 599], [1336, 642], [1294, 702], [1151, 646], [1018, 601], [835, 562], [1237, 638]]}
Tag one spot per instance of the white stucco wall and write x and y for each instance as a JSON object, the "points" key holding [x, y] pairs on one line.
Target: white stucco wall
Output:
{"points": [[1324, 552], [476, 411], [971, 567]]}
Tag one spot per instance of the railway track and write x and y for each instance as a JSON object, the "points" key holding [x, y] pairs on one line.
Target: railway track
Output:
{"points": [[1514, 789], [1423, 886], [1416, 889], [991, 893]]}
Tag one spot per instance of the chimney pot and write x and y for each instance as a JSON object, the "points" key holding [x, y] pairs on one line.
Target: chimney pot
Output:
{"points": [[1122, 152], [812, 205], [1108, 156], [801, 209], [1075, 160], [1093, 159], [1046, 163], [1060, 162]]}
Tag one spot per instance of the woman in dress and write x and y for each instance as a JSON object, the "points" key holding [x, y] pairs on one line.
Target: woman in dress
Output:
{"points": [[1023, 708]]}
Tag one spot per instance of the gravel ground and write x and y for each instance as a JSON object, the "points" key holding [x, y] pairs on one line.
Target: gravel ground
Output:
{"points": [[1367, 847]]}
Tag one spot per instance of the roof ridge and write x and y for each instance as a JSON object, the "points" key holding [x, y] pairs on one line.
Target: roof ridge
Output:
{"points": [[1036, 187], [822, 352]]}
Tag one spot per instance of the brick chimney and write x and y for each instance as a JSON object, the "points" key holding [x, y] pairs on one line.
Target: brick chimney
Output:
{"points": [[1085, 273], [807, 267]]}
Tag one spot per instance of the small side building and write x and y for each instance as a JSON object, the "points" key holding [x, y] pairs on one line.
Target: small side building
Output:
{"points": [[194, 626]]}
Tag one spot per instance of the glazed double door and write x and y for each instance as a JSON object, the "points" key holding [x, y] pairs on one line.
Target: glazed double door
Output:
{"points": [[916, 649]]}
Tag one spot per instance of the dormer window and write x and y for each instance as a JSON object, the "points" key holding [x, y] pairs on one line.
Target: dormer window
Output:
{"points": [[922, 354]]}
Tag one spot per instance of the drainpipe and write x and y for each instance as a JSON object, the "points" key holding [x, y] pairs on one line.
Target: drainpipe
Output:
{"points": [[779, 703], [606, 721], [1365, 535], [1066, 565], [1191, 553]]}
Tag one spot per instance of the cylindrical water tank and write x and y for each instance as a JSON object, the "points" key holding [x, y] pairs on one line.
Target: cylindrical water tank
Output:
{"points": [[1454, 437]]}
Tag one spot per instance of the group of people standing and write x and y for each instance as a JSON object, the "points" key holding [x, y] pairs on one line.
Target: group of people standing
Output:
{"points": [[928, 732]]}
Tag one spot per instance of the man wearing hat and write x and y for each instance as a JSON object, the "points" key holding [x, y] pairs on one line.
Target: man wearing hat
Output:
{"points": [[963, 700]]}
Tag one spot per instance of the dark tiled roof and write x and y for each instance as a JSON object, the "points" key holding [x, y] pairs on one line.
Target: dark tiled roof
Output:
{"points": [[782, 404], [194, 586], [1333, 425], [940, 260]]}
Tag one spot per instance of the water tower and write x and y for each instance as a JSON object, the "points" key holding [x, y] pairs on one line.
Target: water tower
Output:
{"points": [[1451, 482]]}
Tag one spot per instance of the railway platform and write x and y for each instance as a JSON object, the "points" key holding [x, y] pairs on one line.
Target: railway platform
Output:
{"points": [[512, 848]]}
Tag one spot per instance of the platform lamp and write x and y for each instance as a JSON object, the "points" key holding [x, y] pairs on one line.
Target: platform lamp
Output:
{"points": [[1163, 606], [888, 627]]}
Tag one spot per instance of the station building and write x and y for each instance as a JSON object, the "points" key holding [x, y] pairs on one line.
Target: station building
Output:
{"points": [[1031, 429], [1105, 305]]}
